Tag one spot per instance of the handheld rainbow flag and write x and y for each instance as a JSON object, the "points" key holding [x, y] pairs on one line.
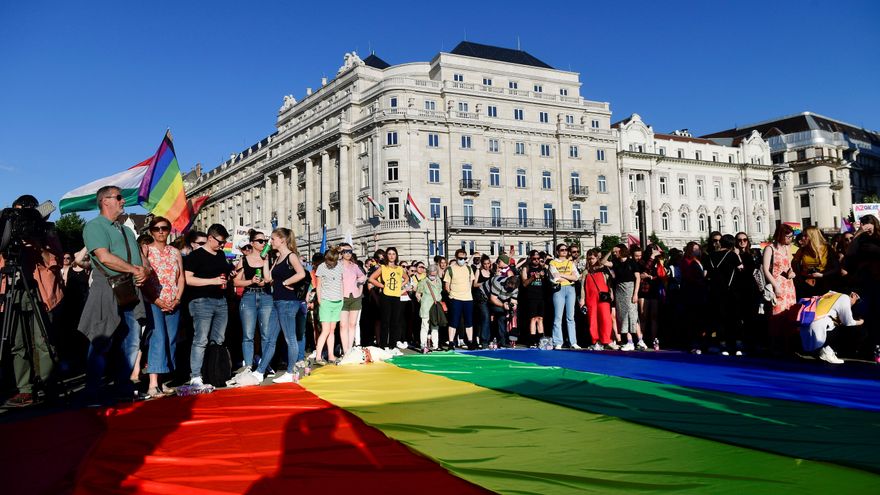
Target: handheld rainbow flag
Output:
{"points": [[795, 227], [162, 190]]}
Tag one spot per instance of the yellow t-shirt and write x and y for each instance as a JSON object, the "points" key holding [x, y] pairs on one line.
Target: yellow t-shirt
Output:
{"points": [[393, 280], [564, 268], [460, 280]]}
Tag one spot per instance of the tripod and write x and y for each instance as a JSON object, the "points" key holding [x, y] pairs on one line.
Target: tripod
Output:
{"points": [[20, 295]]}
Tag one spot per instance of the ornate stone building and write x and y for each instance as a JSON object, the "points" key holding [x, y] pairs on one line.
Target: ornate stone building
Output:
{"points": [[692, 186], [821, 166], [494, 136]]}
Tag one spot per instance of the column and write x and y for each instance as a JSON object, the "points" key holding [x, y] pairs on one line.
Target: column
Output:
{"points": [[346, 194], [280, 203], [266, 221], [251, 207], [310, 194], [294, 198], [326, 172], [787, 207], [844, 195]]}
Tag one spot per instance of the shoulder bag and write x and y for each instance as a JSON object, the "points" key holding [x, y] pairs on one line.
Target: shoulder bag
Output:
{"points": [[124, 289]]}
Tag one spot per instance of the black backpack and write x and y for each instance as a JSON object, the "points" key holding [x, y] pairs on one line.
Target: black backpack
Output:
{"points": [[217, 366]]}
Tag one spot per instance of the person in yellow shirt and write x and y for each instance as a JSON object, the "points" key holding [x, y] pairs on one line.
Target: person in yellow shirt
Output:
{"points": [[458, 281], [563, 274], [390, 277]]}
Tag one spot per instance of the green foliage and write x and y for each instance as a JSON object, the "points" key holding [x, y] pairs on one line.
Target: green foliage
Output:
{"points": [[653, 239], [608, 242], [871, 198], [573, 241], [70, 227]]}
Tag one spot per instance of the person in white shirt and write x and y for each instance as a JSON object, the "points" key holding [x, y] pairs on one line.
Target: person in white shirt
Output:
{"points": [[820, 333]]}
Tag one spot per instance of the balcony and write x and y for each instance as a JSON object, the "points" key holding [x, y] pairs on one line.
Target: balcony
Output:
{"points": [[334, 198], [510, 224], [301, 209], [578, 193], [301, 180], [469, 186], [837, 185]]}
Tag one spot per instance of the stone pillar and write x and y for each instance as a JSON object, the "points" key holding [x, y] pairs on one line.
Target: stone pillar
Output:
{"points": [[820, 203], [347, 194], [844, 194], [787, 207], [251, 207], [267, 203], [310, 194], [326, 172], [294, 199], [281, 202]]}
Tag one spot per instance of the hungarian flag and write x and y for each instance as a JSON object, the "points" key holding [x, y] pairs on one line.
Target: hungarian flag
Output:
{"points": [[84, 198], [379, 208], [413, 209]]}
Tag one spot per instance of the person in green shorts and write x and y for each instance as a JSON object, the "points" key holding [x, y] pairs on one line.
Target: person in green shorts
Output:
{"points": [[328, 288], [353, 280]]}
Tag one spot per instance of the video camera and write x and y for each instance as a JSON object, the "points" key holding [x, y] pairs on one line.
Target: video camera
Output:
{"points": [[19, 225]]}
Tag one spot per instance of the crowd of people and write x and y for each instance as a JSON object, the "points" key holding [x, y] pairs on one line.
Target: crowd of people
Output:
{"points": [[152, 307]]}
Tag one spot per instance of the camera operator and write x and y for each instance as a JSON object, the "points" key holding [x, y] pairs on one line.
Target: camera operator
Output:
{"points": [[114, 251], [31, 355]]}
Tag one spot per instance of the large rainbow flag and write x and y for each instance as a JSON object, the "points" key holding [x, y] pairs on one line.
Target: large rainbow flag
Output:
{"points": [[512, 422], [162, 192]]}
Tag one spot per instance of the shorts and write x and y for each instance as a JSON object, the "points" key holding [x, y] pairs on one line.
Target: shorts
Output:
{"points": [[352, 303], [329, 311], [459, 310]]}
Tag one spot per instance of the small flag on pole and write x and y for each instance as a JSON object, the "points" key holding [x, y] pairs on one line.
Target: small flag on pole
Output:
{"points": [[413, 210], [379, 208], [845, 226]]}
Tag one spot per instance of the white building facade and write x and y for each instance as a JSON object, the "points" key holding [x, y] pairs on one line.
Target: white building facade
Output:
{"points": [[495, 137], [821, 166], [692, 186]]}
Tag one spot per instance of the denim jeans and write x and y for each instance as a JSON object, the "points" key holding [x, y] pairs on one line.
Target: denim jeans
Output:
{"points": [[129, 336], [501, 320], [485, 329], [284, 320], [209, 317], [254, 305], [301, 330], [163, 340], [563, 300]]}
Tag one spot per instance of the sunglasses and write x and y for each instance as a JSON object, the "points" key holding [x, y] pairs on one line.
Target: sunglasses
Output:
{"points": [[118, 197], [67, 258], [461, 259], [246, 248], [742, 239], [219, 240], [347, 251], [160, 228], [259, 241]]}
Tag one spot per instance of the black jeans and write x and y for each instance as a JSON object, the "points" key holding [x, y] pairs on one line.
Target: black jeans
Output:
{"points": [[391, 310]]}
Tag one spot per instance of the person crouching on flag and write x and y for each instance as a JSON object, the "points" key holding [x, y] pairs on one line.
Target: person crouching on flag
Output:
{"points": [[822, 320]]}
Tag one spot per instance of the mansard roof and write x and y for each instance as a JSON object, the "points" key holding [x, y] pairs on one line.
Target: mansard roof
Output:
{"points": [[376, 62], [806, 121], [498, 53]]}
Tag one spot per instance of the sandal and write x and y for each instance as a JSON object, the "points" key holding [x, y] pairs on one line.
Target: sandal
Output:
{"points": [[155, 392]]}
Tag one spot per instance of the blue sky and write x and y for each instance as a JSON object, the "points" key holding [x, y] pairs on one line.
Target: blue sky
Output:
{"points": [[88, 88]]}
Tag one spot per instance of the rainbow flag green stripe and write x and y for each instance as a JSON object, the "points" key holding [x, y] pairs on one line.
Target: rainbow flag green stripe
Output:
{"points": [[513, 444], [796, 429]]}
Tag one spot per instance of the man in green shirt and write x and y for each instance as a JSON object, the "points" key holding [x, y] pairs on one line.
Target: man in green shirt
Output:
{"points": [[113, 251]]}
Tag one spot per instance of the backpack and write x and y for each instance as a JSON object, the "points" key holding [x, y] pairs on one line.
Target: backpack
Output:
{"points": [[217, 365]]}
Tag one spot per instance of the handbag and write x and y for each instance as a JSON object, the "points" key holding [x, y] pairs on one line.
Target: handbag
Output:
{"points": [[604, 297], [124, 290], [437, 313]]}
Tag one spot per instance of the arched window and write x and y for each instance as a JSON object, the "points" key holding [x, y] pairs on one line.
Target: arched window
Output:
{"points": [[760, 224], [719, 223], [702, 222], [685, 223], [736, 223], [664, 221]]}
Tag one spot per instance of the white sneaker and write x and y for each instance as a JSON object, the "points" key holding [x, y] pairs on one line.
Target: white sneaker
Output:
{"points": [[596, 347], [575, 347], [248, 379], [196, 381], [284, 378], [739, 353], [258, 377], [402, 345], [628, 347], [642, 346], [827, 354], [725, 353], [557, 347], [612, 345], [244, 371]]}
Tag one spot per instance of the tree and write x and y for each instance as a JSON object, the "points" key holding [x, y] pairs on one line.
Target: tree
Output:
{"points": [[871, 198], [608, 242], [70, 227]]}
